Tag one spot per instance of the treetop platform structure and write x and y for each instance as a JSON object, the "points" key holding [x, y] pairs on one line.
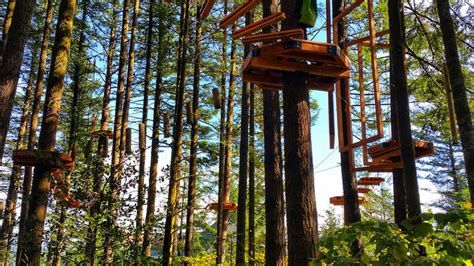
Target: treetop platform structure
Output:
{"points": [[339, 200], [53, 159]]}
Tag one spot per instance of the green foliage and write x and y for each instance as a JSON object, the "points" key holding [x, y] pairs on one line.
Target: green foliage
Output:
{"points": [[442, 238]]}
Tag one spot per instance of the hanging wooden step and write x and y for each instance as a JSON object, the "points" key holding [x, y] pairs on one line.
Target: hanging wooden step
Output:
{"points": [[339, 200], [274, 36], [378, 167], [390, 150], [206, 8], [43, 158], [273, 80], [258, 25], [370, 181], [228, 206], [363, 190], [317, 53], [237, 13], [106, 133]]}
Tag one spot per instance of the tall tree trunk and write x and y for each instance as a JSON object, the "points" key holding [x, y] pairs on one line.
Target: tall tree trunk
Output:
{"points": [[117, 148], [12, 195], [6, 25], [228, 147], [131, 63], [243, 164], [103, 139], [252, 180], [141, 171], [300, 196], [188, 244], [34, 126], [11, 63], [397, 48], [399, 200], [74, 114], [155, 140], [221, 181], [453, 171], [275, 239], [176, 151], [458, 87], [47, 139]]}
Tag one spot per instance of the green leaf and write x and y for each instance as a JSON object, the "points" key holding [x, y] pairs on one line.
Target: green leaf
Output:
{"points": [[422, 229]]}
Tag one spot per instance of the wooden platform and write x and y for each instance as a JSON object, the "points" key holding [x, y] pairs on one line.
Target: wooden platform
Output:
{"points": [[390, 150], [339, 200], [228, 206], [370, 181], [44, 158], [317, 53], [323, 63], [378, 167]]}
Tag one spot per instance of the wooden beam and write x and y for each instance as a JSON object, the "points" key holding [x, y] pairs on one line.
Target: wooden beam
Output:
{"points": [[331, 118], [258, 25], [273, 36], [207, 8], [347, 11], [237, 13]]}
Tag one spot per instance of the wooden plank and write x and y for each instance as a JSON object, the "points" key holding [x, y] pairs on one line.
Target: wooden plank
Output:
{"points": [[258, 25], [237, 13], [377, 45], [347, 11], [207, 8], [273, 36], [363, 118], [328, 21]]}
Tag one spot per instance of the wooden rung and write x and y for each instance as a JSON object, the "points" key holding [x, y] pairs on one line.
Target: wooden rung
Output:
{"points": [[367, 38], [377, 45], [43, 158], [228, 206], [107, 133], [370, 181], [273, 36], [207, 8], [258, 25], [339, 200], [237, 13]]}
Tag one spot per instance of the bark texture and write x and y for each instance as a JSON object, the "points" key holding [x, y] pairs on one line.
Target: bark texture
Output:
{"points": [[47, 139], [300, 196], [458, 87], [11, 63]]}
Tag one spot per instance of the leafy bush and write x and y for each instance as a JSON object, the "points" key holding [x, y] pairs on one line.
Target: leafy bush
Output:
{"points": [[441, 239]]}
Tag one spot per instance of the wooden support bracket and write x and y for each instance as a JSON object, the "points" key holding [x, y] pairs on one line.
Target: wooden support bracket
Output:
{"points": [[237, 13], [367, 38], [339, 200], [253, 27], [346, 11], [228, 206]]}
